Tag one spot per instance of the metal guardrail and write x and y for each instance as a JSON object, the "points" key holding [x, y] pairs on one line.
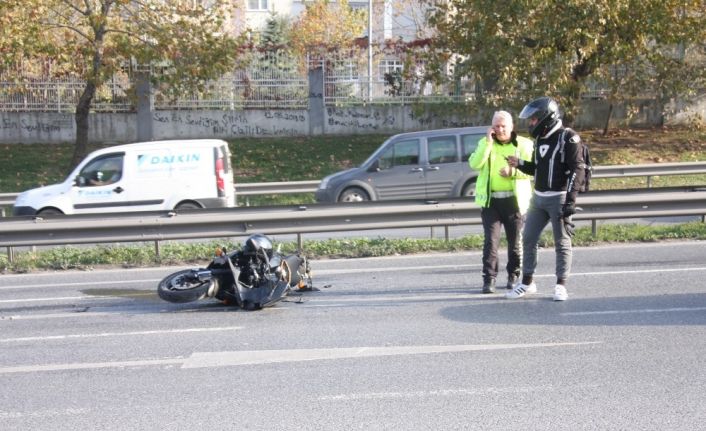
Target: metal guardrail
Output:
{"points": [[317, 218], [649, 170], [613, 171], [276, 188]]}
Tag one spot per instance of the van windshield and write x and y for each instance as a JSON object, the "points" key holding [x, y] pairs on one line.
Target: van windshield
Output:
{"points": [[102, 171]]}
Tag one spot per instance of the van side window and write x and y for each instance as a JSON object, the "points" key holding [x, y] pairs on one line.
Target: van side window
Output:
{"points": [[102, 171], [469, 144], [442, 149], [400, 153]]}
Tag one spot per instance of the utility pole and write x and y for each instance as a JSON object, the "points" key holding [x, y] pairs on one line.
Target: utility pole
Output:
{"points": [[370, 50]]}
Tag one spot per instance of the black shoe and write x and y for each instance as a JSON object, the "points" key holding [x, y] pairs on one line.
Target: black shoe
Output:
{"points": [[489, 286], [511, 281]]}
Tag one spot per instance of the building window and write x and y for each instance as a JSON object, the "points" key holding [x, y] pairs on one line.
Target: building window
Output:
{"points": [[257, 4], [390, 66]]}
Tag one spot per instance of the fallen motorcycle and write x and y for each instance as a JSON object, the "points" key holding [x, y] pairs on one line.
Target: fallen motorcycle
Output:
{"points": [[253, 277]]}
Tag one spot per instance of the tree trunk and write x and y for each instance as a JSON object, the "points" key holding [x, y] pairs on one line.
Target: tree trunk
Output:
{"points": [[94, 80], [607, 120], [81, 118]]}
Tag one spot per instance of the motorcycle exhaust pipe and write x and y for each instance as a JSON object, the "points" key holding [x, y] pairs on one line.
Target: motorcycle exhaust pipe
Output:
{"points": [[202, 274]]}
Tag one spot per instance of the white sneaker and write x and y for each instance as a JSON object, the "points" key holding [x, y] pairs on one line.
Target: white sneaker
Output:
{"points": [[520, 290], [560, 293]]}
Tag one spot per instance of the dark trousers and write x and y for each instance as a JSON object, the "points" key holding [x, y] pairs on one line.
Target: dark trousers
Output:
{"points": [[501, 213]]}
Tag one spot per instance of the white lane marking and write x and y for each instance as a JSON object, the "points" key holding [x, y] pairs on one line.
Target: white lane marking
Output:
{"points": [[398, 298], [71, 313], [89, 365], [81, 283], [390, 269], [117, 334], [639, 271], [42, 413], [320, 271], [632, 311], [431, 267], [56, 298], [258, 357], [450, 392], [333, 272], [222, 359], [367, 270]]}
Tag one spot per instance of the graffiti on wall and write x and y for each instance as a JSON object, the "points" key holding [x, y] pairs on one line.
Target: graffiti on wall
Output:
{"points": [[253, 123], [437, 121], [351, 118], [388, 118], [31, 126]]}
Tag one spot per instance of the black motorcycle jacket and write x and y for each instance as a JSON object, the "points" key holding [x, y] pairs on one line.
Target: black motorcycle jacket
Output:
{"points": [[557, 162]]}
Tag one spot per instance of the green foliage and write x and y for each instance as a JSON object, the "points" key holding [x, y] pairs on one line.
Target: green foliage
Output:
{"points": [[94, 40], [17, 25], [277, 33], [517, 49], [325, 24]]}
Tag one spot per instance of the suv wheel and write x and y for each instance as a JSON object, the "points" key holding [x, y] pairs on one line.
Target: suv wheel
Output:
{"points": [[354, 194], [469, 190]]}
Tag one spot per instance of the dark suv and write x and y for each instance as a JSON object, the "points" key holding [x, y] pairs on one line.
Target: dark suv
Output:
{"points": [[417, 165]]}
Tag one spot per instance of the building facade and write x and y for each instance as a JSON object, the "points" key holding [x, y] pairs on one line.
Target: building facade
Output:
{"points": [[392, 19]]}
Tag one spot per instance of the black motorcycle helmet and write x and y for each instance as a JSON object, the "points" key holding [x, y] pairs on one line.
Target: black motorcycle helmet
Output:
{"points": [[258, 243], [546, 111]]}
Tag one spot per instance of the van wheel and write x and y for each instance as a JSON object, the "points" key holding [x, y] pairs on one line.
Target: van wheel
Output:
{"points": [[187, 206], [469, 190], [354, 194], [49, 211]]}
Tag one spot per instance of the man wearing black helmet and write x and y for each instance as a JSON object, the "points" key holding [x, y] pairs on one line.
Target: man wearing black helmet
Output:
{"points": [[557, 169]]}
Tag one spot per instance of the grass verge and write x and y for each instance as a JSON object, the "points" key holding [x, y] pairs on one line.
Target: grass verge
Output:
{"points": [[198, 254]]}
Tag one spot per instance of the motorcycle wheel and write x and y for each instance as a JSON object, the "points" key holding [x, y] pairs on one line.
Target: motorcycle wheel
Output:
{"points": [[179, 289]]}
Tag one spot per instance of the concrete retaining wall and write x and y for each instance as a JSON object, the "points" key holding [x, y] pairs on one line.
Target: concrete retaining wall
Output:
{"points": [[35, 127]]}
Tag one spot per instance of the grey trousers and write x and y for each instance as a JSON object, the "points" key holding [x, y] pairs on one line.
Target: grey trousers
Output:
{"points": [[543, 210]]}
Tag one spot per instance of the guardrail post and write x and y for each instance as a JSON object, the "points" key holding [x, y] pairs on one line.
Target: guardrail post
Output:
{"points": [[594, 228], [446, 233], [300, 242], [649, 181], [156, 248], [10, 254]]}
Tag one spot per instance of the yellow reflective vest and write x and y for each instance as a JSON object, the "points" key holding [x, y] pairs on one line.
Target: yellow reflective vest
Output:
{"points": [[489, 158]]}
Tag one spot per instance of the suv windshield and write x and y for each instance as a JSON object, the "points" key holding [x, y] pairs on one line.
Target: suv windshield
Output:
{"points": [[400, 153]]}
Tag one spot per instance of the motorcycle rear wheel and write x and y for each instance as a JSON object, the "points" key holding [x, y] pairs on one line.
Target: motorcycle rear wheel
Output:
{"points": [[179, 289]]}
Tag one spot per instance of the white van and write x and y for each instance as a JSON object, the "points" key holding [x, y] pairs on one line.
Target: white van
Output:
{"points": [[145, 176]]}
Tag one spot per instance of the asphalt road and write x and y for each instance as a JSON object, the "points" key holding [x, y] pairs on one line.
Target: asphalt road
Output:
{"points": [[397, 343]]}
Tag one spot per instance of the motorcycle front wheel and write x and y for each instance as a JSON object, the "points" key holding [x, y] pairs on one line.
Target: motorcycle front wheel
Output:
{"points": [[182, 287]]}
